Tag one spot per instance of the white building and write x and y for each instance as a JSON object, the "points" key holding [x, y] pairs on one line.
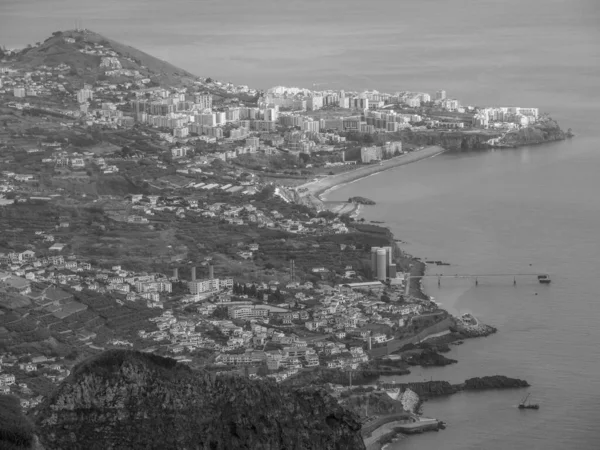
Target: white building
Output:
{"points": [[368, 154], [247, 311], [181, 132], [209, 285], [83, 95]]}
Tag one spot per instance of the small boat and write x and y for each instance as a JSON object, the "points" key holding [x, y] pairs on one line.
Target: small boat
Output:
{"points": [[544, 279], [525, 405]]}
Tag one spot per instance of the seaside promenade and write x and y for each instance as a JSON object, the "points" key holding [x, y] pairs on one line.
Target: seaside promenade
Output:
{"points": [[319, 187]]}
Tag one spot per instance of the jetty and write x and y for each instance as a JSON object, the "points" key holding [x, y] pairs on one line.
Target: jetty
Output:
{"points": [[543, 278]]}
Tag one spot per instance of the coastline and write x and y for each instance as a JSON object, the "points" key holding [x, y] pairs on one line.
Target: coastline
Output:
{"points": [[321, 187], [383, 435]]}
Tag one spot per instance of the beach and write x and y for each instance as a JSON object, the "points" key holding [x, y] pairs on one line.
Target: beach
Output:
{"points": [[321, 186]]}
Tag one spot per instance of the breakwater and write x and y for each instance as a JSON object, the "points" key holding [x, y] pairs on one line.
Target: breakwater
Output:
{"points": [[385, 429]]}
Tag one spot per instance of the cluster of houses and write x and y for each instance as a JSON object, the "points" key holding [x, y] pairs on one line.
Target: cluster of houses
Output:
{"points": [[41, 82], [339, 326], [188, 113], [78, 161], [12, 366], [69, 272], [245, 214]]}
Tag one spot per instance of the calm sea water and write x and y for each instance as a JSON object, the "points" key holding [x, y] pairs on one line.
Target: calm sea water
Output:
{"points": [[532, 209], [503, 211]]}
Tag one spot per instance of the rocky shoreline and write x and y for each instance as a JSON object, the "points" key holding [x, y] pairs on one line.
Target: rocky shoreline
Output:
{"points": [[429, 389], [545, 131], [389, 432], [426, 353]]}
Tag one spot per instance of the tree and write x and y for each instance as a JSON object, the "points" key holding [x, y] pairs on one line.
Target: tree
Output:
{"points": [[304, 157], [220, 313], [266, 193]]}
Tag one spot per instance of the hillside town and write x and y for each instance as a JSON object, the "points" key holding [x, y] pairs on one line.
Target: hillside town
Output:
{"points": [[280, 120], [270, 329], [173, 219]]}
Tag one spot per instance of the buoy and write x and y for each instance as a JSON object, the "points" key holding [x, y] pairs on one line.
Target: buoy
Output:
{"points": [[476, 282]]}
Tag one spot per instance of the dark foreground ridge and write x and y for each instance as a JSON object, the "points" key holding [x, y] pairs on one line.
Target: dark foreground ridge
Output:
{"points": [[132, 400]]}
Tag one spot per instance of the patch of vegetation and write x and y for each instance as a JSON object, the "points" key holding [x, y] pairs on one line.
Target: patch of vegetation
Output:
{"points": [[16, 432], [109, 362]]}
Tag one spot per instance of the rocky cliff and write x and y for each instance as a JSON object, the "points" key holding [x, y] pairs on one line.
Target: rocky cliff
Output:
{"points": [[545, 130], [131, 400], [453, 140]]}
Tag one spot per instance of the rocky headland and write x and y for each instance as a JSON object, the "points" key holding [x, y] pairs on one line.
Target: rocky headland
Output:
{"points": [[429, 389], [492, 382], [427, 358], [543, 131], [128, 400]]}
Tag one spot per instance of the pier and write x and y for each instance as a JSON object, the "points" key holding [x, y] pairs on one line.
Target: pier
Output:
{"points": [[540, 277]]}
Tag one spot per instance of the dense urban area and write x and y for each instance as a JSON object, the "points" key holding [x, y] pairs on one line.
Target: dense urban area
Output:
{"points": [[145, 208]]}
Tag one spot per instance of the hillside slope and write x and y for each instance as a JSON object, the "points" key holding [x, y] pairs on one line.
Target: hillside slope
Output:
{"points": [[58, 49], [131, 400]]}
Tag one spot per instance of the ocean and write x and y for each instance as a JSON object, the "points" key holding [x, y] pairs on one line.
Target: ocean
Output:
{"points": [[510, 211], [533, 208]]}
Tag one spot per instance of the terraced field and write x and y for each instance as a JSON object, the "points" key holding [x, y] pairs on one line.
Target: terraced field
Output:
{"points": [[105, 318]]}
